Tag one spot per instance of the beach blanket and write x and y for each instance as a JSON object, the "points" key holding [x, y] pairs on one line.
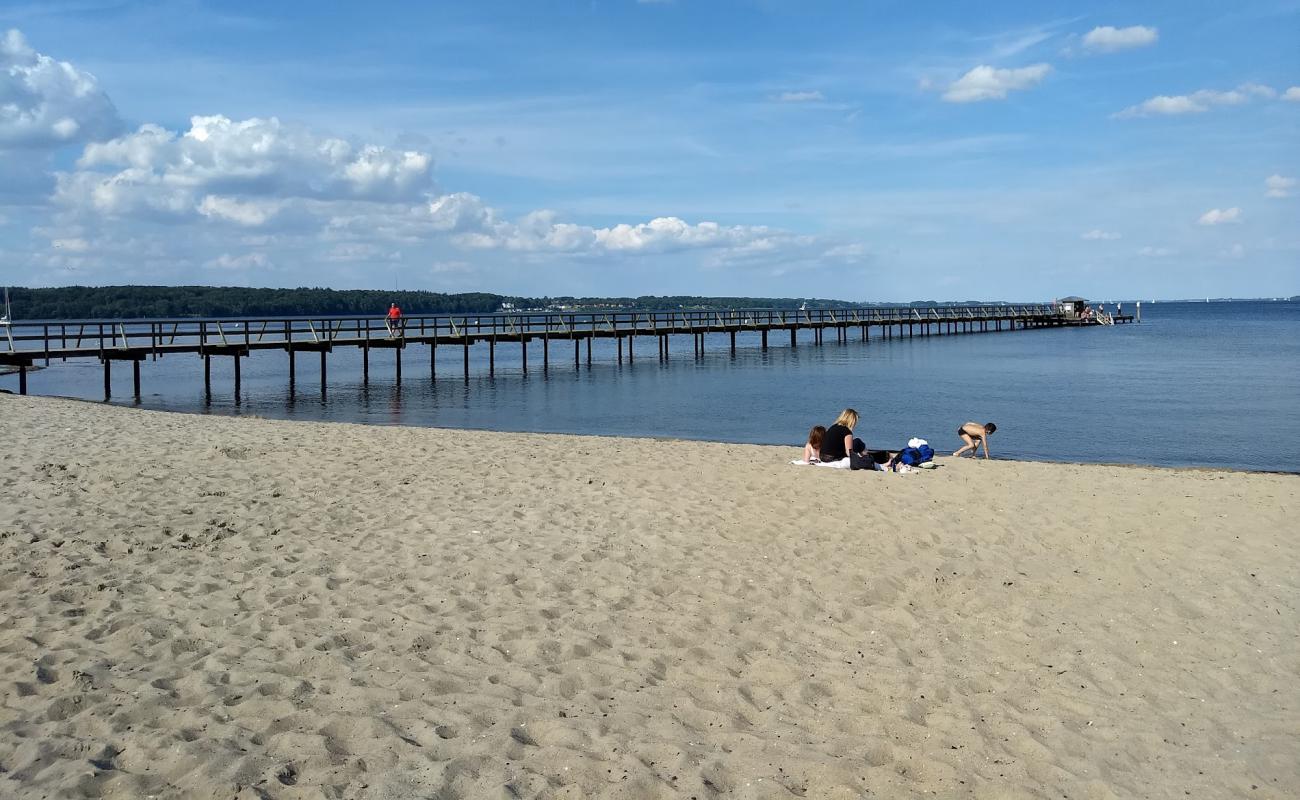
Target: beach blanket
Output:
{"points": [[843, 463]]}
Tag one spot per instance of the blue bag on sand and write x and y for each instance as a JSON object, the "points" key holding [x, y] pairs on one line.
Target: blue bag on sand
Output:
{"points": [[926, 453], [909, 456]]}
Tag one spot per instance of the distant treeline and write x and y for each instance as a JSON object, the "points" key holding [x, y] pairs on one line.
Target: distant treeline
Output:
{"points": [[127, 302]]}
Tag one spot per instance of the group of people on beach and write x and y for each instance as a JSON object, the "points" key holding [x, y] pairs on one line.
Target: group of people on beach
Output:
{"points": [[836, 443]]}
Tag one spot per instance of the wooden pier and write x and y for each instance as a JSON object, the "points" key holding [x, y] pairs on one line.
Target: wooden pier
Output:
{"points": [[138, 340]]}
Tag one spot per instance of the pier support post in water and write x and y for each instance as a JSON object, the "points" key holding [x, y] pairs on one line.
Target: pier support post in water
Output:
{"points": [[365, 364], [237, 383], [733, 343], [433, 359], [620, 348], [794, 340], [207, 378], [764, 334], [523, 350], [589, 338], [466, 359], [135, 376], [108, 379], [292, 371], [577, 353], [22, 379], [492, 356], [630, 355], [546, 352], [397, 351], [323, 369]]}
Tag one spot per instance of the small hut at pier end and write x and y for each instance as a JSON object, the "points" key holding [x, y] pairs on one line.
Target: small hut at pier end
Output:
{"points": [[1072, 305]]}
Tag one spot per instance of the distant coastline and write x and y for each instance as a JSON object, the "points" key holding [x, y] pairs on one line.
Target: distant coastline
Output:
{"points": [[132, 302]]}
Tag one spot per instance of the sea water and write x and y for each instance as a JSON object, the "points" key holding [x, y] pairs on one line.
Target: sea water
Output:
{"points": [[1196, 384]]}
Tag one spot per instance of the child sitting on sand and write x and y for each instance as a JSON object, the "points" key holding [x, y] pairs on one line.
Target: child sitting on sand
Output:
{"points": [[813, 449]]}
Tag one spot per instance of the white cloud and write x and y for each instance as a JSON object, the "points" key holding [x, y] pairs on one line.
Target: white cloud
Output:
{"points": [[225, 261], [475, 226], [1218, 217], [236, 171], [1156, 252], [1278, 186], [1098, 235], [251, 213], [807, 96], [1258, 90], [460, 212], [1107, 39], [1236, 252], [987, 83], [848, 253], [1197, 102], [46, 103], [1292, 94]]}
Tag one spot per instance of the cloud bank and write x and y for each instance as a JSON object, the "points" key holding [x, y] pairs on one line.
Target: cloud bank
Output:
{"points": [[1197, 102], [46, 103]]}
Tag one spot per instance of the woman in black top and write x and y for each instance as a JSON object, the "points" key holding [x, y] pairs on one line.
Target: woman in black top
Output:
{"points": [[838, 441]]}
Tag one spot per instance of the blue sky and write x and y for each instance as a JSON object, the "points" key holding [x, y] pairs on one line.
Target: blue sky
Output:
{"points": [[863, 151]]}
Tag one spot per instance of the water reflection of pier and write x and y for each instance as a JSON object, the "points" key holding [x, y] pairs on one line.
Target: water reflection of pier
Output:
{"points": [[138, 340]]}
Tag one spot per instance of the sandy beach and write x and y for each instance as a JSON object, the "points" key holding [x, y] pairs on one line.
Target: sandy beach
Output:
{"points": [[211, 607]]}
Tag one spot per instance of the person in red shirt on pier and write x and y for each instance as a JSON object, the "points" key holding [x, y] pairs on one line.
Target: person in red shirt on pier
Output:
{"points": [[394, 319]]}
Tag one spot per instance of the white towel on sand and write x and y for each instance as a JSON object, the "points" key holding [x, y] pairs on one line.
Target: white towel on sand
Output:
{"points": [[843, 463]]}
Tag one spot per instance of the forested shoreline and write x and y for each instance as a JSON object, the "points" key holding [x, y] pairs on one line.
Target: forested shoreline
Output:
{"points": [[131, 302]]}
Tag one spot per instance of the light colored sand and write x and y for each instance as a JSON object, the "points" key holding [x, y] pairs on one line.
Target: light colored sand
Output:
{"points": [[212, 607]]}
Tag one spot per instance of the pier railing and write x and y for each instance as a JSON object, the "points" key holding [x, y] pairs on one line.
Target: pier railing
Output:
{"points": [[71, 338]]}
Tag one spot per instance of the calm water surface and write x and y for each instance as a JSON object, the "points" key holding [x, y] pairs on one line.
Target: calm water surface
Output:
{"points": [[1195, 384]]}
